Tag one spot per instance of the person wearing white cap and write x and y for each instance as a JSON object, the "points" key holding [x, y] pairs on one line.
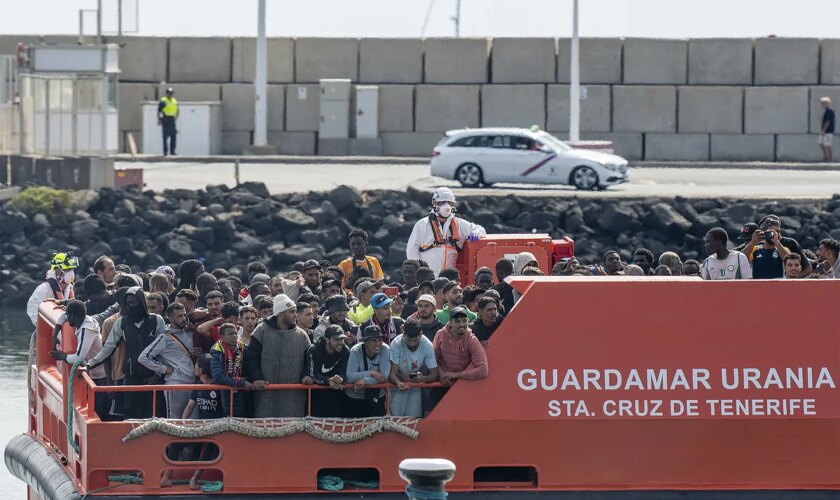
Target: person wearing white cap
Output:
{"points": [[438, 238], [276, 355], [425, 315]]}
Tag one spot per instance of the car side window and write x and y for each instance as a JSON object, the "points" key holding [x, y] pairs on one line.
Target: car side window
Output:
{"points": [[483, 141], [522, 143], [463, 142], [501, 142]]}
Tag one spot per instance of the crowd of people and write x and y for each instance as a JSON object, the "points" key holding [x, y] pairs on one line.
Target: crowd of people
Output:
{"points": [[347, 330]]}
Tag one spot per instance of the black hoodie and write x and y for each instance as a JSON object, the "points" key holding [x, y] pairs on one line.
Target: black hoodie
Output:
{"points": [[322, 366]]}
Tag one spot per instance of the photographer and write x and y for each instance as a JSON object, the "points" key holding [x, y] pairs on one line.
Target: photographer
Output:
{"points": [[767, 250]]}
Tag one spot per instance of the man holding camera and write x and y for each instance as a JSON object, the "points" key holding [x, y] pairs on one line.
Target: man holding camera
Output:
{"points": [[767, 250]]}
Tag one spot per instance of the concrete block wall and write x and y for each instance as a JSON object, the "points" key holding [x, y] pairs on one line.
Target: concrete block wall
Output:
{"points": [[721, 99]]}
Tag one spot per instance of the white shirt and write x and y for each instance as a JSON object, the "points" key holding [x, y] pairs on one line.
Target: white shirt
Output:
{"points": [[440, 257], [735, 266]]}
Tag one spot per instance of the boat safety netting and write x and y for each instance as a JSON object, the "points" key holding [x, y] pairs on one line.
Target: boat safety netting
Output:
{"points": [[332, 430]]}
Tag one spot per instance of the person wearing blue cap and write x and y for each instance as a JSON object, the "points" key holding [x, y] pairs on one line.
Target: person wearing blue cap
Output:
{"points": [[390, 326]]}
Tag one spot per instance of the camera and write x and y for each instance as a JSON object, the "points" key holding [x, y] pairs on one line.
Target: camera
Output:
{"points": [[769, 236], [415, 376]]}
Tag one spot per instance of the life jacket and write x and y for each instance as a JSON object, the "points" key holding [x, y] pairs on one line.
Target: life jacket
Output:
{"points": [[440, 240], [56, 290], [136, 340]]}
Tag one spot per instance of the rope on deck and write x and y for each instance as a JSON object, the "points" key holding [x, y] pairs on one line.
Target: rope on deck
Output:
{"points": [[337, 430], [70, 408]]}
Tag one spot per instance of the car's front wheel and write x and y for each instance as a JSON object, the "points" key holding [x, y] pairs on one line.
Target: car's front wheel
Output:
{"points": [[584, 178], [469, 175]]}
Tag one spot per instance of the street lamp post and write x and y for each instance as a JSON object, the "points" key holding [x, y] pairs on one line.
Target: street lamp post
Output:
{"points": [[261, 81], [574, 87]]}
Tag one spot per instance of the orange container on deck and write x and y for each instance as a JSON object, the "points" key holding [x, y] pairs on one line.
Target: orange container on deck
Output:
{"points": [[487, 251]]}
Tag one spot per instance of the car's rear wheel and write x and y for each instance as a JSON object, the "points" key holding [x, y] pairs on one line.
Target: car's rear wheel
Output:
{"points": [[469, 175], [584, 178]]}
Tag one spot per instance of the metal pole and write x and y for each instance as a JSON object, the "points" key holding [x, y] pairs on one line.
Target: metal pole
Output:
{"points": [[261, 81], [119, 17], [81, 27], [457, 18], [99, 21], [574, 88]]}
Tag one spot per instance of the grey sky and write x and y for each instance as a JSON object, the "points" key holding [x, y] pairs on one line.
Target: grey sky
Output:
{"points": [[404, 18]]}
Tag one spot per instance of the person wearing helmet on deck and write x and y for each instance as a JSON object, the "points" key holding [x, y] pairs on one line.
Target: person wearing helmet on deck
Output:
{"points": [[438, 238], [58, 283]]}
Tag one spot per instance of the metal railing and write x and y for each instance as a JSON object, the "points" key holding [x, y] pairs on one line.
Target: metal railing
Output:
{"points": [[91, 389]]}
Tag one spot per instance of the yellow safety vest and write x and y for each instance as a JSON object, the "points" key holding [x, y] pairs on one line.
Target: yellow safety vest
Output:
{"points": [[171, 106]]}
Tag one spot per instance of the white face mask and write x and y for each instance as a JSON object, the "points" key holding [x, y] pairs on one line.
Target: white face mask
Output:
{"points": [[444, 210], [69, 277]]}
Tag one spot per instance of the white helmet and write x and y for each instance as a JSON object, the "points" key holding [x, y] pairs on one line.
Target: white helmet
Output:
{"points": [[443, 194]]}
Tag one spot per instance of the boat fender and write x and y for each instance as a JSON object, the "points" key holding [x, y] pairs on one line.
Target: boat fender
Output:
{"points": [[28, 460]]}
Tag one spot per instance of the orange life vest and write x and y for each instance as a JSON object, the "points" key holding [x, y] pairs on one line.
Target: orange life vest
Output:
{"points": [[437, 228]]}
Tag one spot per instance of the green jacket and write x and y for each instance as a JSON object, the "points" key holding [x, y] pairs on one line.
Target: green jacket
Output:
{"points": [[442, 315]]}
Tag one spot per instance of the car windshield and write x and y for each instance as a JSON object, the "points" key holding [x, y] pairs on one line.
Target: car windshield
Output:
{"points": [[553, 141]]}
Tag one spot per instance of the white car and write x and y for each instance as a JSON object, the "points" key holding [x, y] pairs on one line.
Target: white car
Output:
{"points": [[487, 156]]}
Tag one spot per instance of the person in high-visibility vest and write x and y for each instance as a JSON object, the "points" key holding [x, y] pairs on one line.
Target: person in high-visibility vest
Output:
{"points": [[439, 237], [167, 116]]}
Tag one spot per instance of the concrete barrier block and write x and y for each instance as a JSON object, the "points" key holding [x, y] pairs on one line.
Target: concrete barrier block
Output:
{"points": [[276, 107], [396, 108], [677, 147], [281, 60], [192, 92], [365, 147], [594, 110], [787, 61], [410, 143], [512, 105], [625, 144], [776, 110], [199, 60], [830, 61], [390, 60], [644, 109], [333, 147], [600, 60], [234, 142], [798, 147], [523, 60], [655, 61], [238, 106], [740, 147], [319, 58], [131, 96], [456, 60], [443, 107], [293, 143], [710, 109], [142, 59], [720, 61], [833, 93], [303, 108]]}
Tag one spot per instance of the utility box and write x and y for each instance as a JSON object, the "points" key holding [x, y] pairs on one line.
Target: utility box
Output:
{"points": [[367, 111], [334, 120], [487, 251], [199, 128]]}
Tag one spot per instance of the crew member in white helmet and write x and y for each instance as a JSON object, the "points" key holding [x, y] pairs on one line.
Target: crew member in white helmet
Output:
{"points": [[438, 238]]}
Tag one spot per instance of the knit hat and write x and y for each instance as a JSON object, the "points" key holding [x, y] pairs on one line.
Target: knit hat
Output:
{"points": [[283, 303]]}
